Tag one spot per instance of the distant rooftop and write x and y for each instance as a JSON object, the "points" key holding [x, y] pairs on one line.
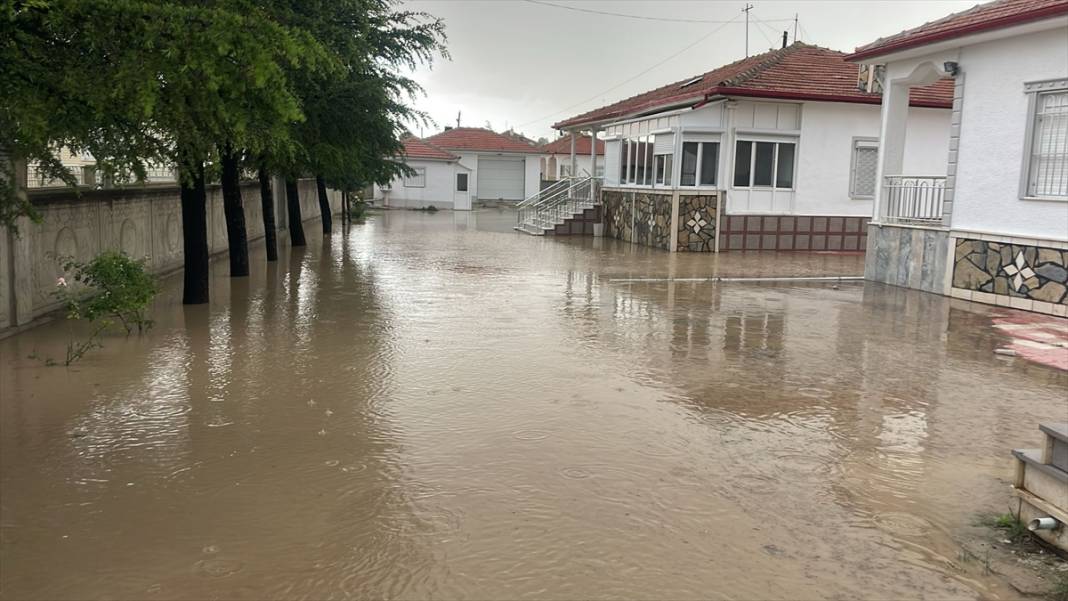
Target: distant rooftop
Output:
{"points": [[477, 138], [562, 145], [414, 148]]}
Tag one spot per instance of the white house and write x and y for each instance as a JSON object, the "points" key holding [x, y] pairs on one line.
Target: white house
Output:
{"points": [[995, 229], [773, 152], [502, 167], [439, 180], [556, 163]]}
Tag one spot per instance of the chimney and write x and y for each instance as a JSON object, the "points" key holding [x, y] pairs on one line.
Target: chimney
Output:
{"points": [[785, 35], [448, 127]]}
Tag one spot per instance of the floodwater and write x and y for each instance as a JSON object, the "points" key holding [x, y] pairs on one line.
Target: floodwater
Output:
{"points": [[433, 406]]}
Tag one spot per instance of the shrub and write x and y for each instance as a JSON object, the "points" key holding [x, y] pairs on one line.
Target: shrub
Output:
{"points": [[111, 288]]}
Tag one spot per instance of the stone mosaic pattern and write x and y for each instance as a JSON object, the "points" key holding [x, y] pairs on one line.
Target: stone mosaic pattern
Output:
{"points": [[1013, 270], [697, 223], [638, 216]]}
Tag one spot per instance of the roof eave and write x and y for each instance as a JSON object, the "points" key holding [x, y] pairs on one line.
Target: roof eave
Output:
{"points": [[643, 111], [1054, 10], [751, 93]]}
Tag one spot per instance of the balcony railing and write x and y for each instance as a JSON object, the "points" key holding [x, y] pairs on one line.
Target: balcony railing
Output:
{"points": [[915, 199]]}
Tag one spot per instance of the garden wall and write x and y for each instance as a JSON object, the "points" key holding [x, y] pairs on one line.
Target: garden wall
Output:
{"points": [[144, 222]]}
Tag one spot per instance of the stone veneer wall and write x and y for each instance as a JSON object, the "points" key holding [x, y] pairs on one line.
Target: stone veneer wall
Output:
{"points": [[143, 222], [638, 216], [697, 223], [1009, 272], [906, 256]]}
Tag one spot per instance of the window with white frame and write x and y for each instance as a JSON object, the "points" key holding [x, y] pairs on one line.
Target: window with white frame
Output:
{"points": [[700, 164], [863, 168], [764, 164], [636, 166], [565, 170], [1047, 161], [416, 180], [461, 182]]}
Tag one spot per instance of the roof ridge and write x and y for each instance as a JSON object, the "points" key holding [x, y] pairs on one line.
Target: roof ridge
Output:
{"points": [[774, 57], [436, 147]]}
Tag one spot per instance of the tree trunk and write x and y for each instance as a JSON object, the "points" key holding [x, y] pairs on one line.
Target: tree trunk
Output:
{"points": [[270, 239], [324, 205], [296, 224], [236, 233], [195, 236]]}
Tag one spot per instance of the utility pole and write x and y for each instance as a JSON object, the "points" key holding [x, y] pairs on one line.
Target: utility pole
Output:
{"points": [[795, 27], [748, 7]]}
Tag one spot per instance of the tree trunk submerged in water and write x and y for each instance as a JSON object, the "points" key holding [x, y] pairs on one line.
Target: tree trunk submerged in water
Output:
{"points": [[296, 224], [195, 236], [324, 205], [270, 240], [236, 233]]}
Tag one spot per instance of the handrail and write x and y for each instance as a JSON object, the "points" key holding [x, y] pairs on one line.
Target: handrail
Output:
{"points": [[557, 203]]}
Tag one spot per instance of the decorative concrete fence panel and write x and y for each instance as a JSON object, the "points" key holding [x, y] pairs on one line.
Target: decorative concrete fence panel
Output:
{"points": [[142, 222]]}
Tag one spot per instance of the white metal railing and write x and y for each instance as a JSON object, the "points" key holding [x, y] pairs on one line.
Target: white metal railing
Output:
{"points": [[557, 202], [914, 198]]}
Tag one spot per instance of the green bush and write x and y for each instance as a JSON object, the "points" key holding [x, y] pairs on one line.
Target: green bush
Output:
{"points": [[112, 288]]}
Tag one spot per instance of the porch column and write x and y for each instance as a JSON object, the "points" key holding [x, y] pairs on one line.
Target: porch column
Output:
{"points": [[892, 136], [593, 161], [574, 159]]}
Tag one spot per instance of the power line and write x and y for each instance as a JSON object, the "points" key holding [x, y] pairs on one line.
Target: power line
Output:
{"points": [[640, 17], [636, 76]]}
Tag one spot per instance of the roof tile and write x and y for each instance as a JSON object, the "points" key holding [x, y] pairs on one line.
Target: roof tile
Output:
{"points": [[414, 148], [562, 145], [477, 138], [982, 17], [798, 72]]}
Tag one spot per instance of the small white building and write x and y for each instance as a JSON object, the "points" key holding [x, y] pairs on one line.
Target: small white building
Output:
{"points": [[502, 167], [773, 152], [440, 180], [994, 228], [556, 164]]}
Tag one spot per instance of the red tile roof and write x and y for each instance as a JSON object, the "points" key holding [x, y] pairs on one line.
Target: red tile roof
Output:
{"points": [[798, 72], [476, 138], [562, 145], [414, 148], [983, 17]]}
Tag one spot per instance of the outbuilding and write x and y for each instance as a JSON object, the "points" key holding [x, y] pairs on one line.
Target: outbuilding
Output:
{"points": [[439, 180], [502, 168]]}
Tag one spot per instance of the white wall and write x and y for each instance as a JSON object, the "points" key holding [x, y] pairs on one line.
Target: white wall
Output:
{"points": [[583, 161], [826, 147], [440, 184], [993, 126], [532, 181]]}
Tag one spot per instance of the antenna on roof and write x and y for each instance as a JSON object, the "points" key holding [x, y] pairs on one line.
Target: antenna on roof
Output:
{"points": [[795, 27], [748, 7]]}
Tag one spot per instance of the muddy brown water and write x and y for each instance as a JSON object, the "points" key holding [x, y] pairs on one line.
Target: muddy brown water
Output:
{"points": [[433, 406]]}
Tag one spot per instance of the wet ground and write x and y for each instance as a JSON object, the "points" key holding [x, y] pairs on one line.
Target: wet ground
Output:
{"points": [[435, 406]]}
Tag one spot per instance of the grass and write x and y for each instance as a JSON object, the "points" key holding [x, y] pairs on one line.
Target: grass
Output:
{"points": [[1015, 530]]}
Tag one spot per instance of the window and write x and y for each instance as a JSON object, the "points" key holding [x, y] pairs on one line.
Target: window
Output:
{"points": [[417, 180], [565, 170], [865, 162], [663, 169], [461, 182], [764, 164], [700, 163], [1047, 163]]}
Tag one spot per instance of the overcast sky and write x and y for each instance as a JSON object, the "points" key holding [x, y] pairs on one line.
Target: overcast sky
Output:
{"points": [[526, 65]]}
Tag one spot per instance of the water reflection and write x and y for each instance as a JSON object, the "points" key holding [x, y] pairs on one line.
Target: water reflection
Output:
{"points": [[434, 406]]}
